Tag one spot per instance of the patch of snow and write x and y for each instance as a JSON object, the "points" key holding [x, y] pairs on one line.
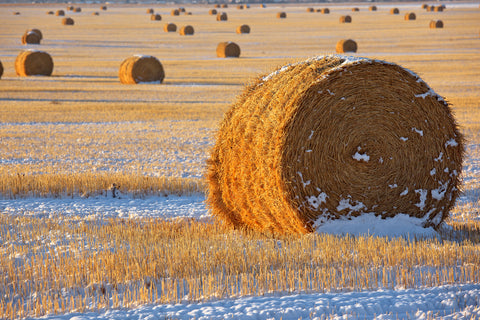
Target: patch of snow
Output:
{"points": [[439, 193], [361, 157], [403, 138], [439, 158], [420, 132], [433, 171], [451, 143], [423, 197], [345, 204], [315, 202], [404, 192]]}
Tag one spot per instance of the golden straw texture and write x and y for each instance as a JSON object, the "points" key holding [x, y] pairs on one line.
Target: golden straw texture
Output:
{"points": [[348, 45], [141, 68], [31, 37], [33, 63], [228, 49], [334, 137]]}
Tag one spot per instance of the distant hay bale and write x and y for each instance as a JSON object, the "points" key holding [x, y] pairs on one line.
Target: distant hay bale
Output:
{"points": [[355, 9], [325, 11], [224, 5], [372, 8], [150, 11], [181, 9], [263, 5], [240, 7], [345, 19], [68, 21], [77, 9], [281, 15], [410, 16], [50, 12], [70, 8], [222, 16], [438, 9], [33, 63], [344, 46], [1, 69], [431, 8], [60, 13], [394, 11], [244, 28], [424, 6], [228, 50], [31, 37], [188, 13], [141, 69], [104, 8], [95, 13], [37, 31], [175, 12], [310, 10], [212, 12], [170, 27], [156, 17], [217, 6], [187, 31], [331, 138], [16, 13], [436, 24]]}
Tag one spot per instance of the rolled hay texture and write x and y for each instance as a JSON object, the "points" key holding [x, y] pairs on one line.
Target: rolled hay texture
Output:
{"points": [[228, 50], [170, 27], [345, 19], [431, 8], [244, 28], [156, 17], [222, 16], [330, 138], [212, 12], [60, 13], [175, 12], [394, 11], [325, 11], [346, 46], [372, 8], [281, 15], [68, 21], [31, 37], [33, 63], [410, 16], [141, 68], [187, 30], [181, 9], [434, 24]]}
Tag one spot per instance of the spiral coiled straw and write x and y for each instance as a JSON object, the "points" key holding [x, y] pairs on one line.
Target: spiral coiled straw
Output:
{"points": [[331, 138]]}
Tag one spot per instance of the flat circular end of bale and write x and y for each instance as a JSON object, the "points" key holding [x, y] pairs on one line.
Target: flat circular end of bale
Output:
{"points": [[372, 8], [436, 24], [156, 17], [187, 31], [355, 9], [150, 11], [33, 63], [310, 10], [325, 11], [60, 13], [175, 12], [170, 27], [344, 46], [228, 50], [222, 16], [244, 28], [77, 9], [334, 137], [345, 19], [141, 69], [410, 16], [394, 11], [31, 37], [212, 12], [281, 15], [68, 21]]}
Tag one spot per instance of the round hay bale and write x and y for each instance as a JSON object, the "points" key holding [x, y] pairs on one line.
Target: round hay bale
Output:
{"points": [[424, 6], [325, 11], [16, 13], [104, 8], [150, 11], [394, 11], [224, 5], [140, 69], [281, 15], [344, 46], [228, 50], [217, 6], [37, 31], [355, 9], [438, 9], [372, 8], [431, 8], [33, 63], [60, 13], [170, 27], [50, 12], [95, 13], [436, 24], [222, 16], [240, 7], [345, 19], [181, 9], [244, 28], [212, 12], [77, 9], [1, 69], [156, 17], [330, 138], [70, 8], [263, 5], [187, 31], [31, 37], [175, 12], [68, 21], [410, 16], [310, 10]]}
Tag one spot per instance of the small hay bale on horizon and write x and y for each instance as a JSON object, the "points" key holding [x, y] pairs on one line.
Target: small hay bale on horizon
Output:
{"points": [[310, 10], [181, 9], [212, 12], [228, 50], [104, 8], [175, 12], [170, 27], [343, 137], [424, 6], [150, 11], [372, 8], [240, 7], [394, 11], [222, 16], [50, 12], [346, 45], [438, 9], [33, 63], [217, 6], [410, 16], [355, 9], [436, 24], [187, 30], [77, 9], [156, 17], [325, 11], [141, 69], [60, 13], [345, 19], [95, 13], [224, 5], [244, 28], [67, 21], [281, 15]]}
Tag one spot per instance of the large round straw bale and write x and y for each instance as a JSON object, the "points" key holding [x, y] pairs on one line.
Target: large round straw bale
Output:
{"points": [[141, 68], [394, 11], [345, 19], [60, 13], [187, 30], [434, 24], [346, 46], [325, 11], [212, 12], [332, 138], [175, 12], [156, 17], [355, 9], [222, 16], [281, 15], [150, 11], [1, 69], [438, 8], [170, 27], [77, 9], [244, 28], [31, 37], [410, 16], [372, 8], [68, 21], [228, 50], [310, 10], [33, 63]]}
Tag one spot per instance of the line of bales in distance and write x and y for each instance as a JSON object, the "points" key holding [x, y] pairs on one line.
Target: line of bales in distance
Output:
{"points": [[143, 68]]}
